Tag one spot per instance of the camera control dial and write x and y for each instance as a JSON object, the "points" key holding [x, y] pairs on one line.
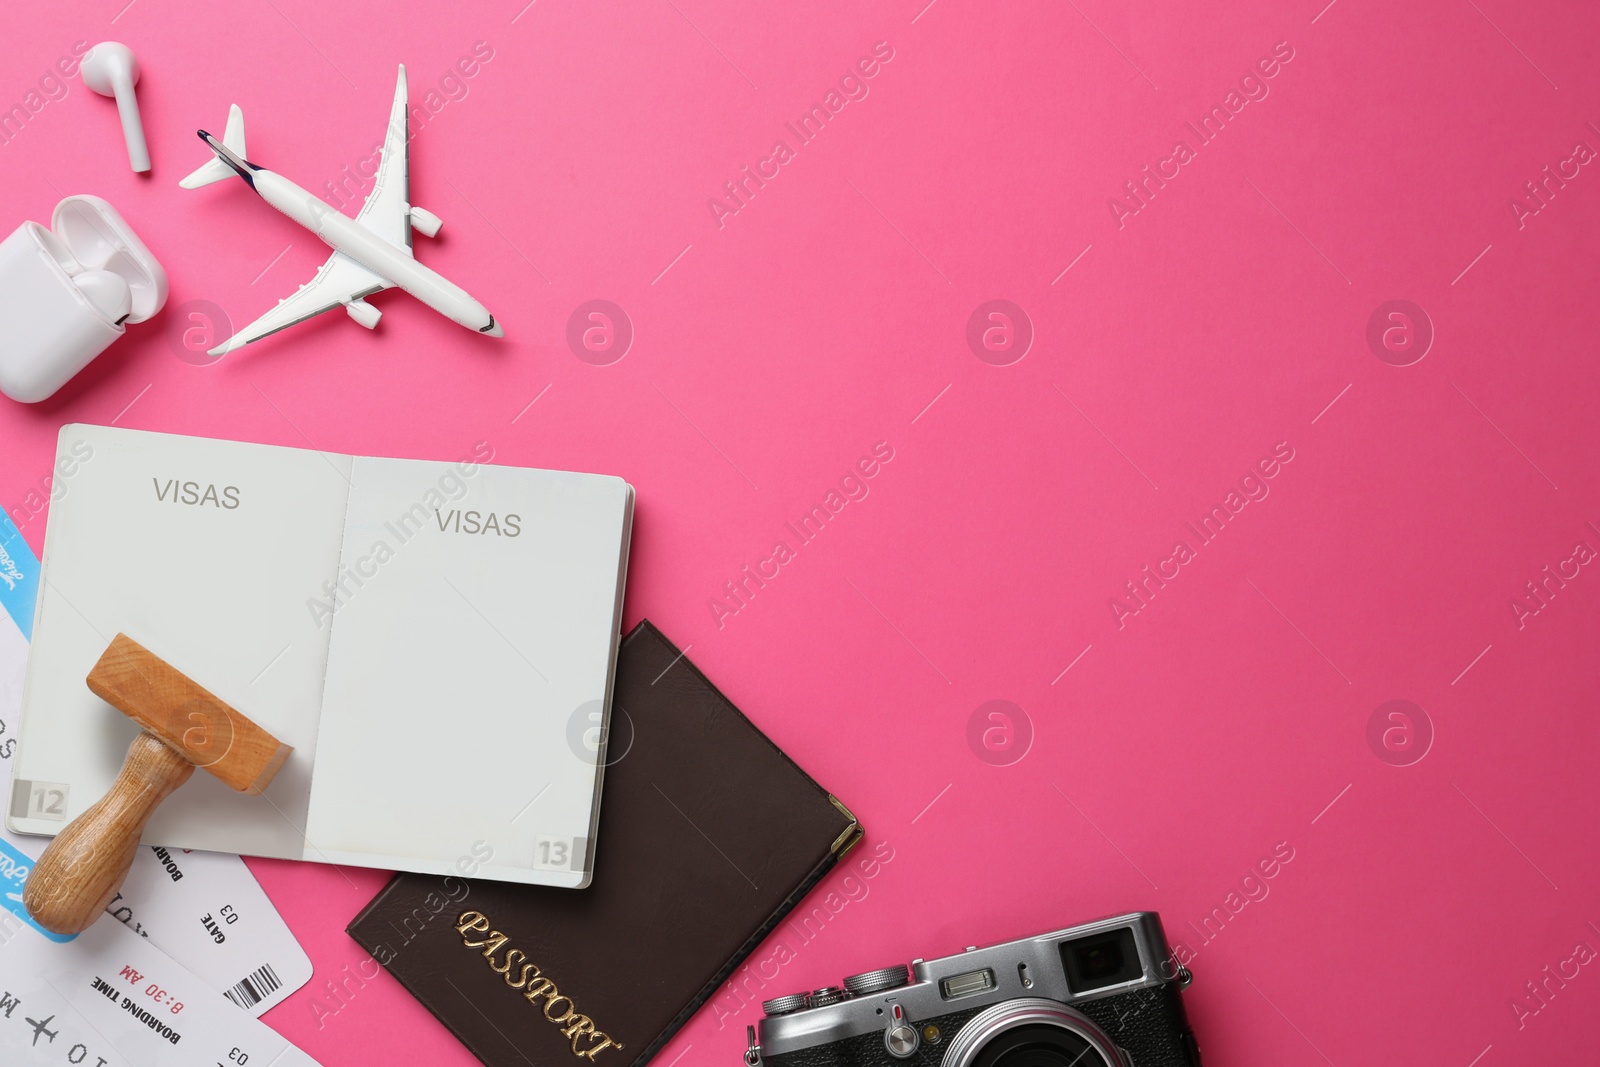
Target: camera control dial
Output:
{"points": [[828, 994], [878, 981], [784, 1005], [900, 1038]]}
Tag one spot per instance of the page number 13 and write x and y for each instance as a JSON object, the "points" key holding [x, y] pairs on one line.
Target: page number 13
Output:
{"points": [[555, 853]]}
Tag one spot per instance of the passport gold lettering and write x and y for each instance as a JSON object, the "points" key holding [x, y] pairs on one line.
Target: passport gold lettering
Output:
{"points": [[529, 970], [537, 989], [605, 1043], [513, 957], [542, 987]]}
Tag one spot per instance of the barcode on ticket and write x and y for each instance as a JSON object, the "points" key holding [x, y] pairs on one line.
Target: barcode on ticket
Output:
{"points": [[256, 988]]}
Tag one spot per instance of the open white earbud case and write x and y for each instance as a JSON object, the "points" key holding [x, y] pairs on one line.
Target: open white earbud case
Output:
{"points": [[67, 292]]}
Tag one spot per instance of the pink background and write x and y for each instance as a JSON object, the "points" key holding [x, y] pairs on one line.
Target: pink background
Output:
{"points": [[1228, 314]]}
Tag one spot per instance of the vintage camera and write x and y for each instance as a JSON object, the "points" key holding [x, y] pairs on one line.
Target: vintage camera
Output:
{"points": [[1105, 994]]}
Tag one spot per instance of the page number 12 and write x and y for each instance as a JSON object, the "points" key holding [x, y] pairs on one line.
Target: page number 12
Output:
{"points": [[47, 800]]}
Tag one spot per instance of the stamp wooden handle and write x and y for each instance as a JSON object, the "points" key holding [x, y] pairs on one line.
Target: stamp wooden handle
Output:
{"points": [[82, 869], [185, 726]]}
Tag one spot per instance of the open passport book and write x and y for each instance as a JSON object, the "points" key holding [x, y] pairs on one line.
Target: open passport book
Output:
{"points": [[429, 636]]}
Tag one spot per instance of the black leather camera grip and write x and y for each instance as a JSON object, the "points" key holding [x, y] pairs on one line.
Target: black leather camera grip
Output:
{"points": [[1150, 1023]]}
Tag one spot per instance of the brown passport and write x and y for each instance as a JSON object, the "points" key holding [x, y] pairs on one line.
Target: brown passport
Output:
{"points": [[709, 835]]}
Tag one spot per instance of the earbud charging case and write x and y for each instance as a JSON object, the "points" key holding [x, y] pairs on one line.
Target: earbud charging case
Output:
{"points": [[49, 329]]}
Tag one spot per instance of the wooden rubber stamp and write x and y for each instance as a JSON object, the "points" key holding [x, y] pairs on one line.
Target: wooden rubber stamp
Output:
{"points": [[184, 727]]}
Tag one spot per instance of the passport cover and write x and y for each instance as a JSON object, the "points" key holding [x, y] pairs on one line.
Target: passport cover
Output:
{"points": [[710, 835]]}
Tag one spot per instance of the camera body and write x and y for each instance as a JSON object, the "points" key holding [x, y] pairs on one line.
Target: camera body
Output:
{"points": [[1104, 994]]}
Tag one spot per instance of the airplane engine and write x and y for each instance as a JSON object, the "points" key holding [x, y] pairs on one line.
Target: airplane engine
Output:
{"points": [[425, 222], [364, 313]]}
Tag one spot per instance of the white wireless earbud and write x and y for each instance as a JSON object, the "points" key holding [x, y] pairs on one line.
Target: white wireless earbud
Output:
{"points": [[106, 291], [111, 69]]}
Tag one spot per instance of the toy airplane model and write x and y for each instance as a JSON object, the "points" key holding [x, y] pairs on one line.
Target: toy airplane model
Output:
{"points": [[371, 252]]}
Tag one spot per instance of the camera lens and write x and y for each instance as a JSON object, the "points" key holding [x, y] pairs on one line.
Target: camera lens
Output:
{"points": [[1031, 1032], [1039, 1046]]}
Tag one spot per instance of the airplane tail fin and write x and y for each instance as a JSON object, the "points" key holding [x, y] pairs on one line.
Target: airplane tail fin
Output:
{"points": [[214, 169]]}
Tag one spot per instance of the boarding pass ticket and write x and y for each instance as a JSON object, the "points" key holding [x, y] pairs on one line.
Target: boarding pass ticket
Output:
{"points": [[109, 998], [204, 909]]}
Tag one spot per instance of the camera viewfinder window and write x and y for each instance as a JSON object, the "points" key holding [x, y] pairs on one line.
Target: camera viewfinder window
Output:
{"points": [[1101, 960]]}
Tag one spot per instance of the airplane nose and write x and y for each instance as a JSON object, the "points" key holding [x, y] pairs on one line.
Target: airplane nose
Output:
{"points": [[494, 329]]}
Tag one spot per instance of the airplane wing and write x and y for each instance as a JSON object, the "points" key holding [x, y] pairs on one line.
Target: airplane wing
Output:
{"points": [[387, 210], [340, 282]]}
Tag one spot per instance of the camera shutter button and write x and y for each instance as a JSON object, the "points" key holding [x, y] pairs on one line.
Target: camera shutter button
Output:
{"points": [[901, 1038]]}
